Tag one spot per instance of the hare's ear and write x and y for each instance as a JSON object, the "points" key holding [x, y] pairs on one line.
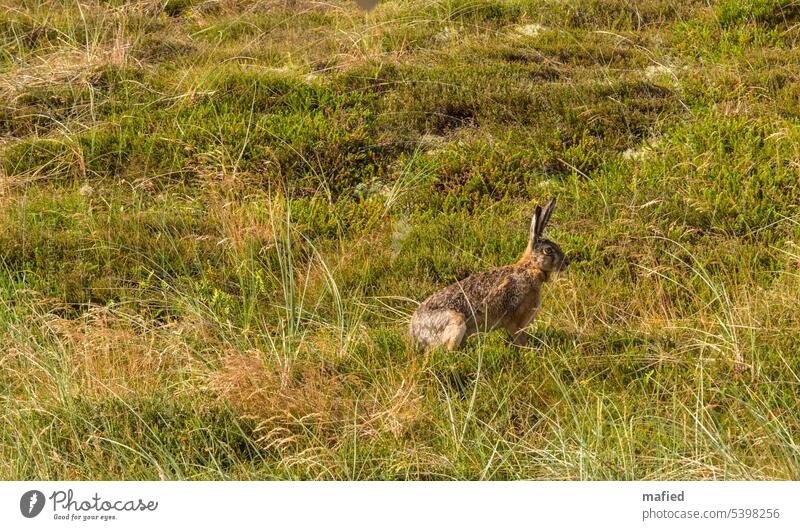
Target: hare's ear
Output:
{"points": [[535, 227], [548, 211]]}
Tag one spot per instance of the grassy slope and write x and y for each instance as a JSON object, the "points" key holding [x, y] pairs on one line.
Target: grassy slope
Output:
{"points": [[216, 216]]}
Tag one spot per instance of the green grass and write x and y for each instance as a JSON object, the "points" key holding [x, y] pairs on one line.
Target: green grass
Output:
{"points": [[217, 218]]}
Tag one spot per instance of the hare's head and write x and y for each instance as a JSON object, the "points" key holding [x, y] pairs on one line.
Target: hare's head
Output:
{"points": [[542, 253]]}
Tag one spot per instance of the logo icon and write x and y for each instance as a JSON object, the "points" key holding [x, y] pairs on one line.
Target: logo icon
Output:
{"points": [[31, 503]]}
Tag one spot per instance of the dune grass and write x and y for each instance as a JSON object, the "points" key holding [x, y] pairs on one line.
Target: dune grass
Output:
{"points": [[217, 217]]}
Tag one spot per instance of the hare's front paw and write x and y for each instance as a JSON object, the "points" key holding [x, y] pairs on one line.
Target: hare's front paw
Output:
{"points": [[521, 338]]}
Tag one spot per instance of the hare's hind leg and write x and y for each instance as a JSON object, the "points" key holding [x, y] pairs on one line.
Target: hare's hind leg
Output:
{"points": [[454, 332], [431, 329]]}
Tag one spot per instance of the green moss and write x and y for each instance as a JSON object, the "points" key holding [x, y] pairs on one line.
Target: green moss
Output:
{"points": [[770, 13]]}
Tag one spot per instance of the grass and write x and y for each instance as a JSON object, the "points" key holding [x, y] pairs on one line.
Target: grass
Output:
{"points": [[217, 218]]}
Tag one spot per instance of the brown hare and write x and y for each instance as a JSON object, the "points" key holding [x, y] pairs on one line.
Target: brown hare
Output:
{"points": [[506, 297]]}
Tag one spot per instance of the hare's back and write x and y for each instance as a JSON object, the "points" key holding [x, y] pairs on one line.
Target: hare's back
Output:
{"points": [[471, 294]]}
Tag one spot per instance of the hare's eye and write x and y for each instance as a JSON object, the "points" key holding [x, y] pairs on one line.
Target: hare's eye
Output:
{"points": [[547, 250]]}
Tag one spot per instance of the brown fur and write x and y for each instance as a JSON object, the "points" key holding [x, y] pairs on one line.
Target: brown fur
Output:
{"points": [[507, 297]]}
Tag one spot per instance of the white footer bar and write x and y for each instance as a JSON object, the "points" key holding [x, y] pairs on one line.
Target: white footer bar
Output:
{"points": [[389, 505]]}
